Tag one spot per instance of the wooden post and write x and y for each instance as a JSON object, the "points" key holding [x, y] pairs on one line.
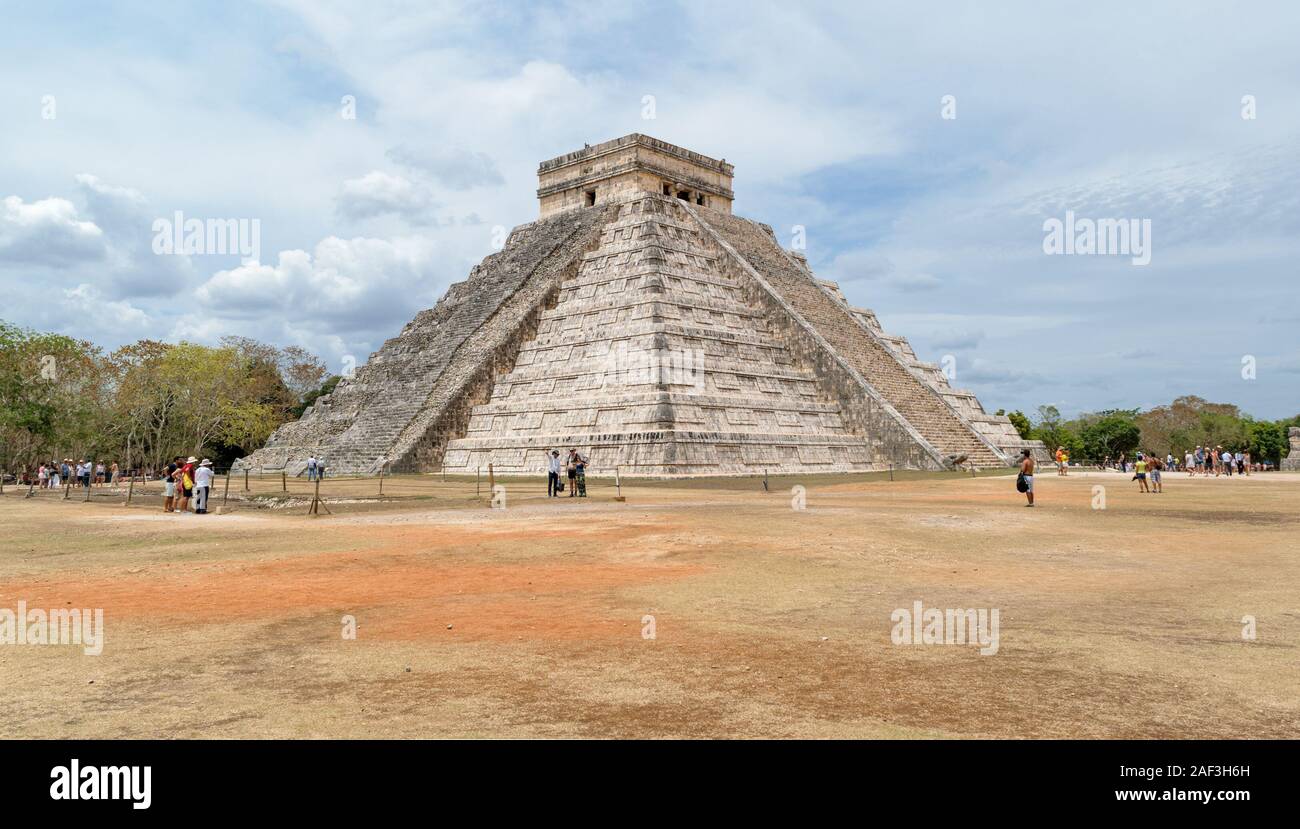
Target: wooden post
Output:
{"points": [[67, 488], [316, 502], [225, 495], [492, 480], [618, 485], [284, 481], [381, 480], [478, 472], [765, 489], [891, 472], [31, 489], [246, 479], [130, 490]]}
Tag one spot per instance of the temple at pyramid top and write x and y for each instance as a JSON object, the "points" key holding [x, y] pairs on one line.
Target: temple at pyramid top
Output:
{"points": [[601, 173]]}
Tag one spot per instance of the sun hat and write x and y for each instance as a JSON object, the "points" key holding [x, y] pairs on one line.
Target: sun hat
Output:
{"points": [[205, 462], [191, 459]]}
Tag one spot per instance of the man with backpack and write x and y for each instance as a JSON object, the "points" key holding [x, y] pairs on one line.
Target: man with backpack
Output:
{"points": [[1025, 480]]}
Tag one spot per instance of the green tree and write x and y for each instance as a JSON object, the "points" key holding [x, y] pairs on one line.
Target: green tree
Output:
{"points": [[311, 397], [52, 393], [1053, 432], [1111, 435], [1266, 440], [1022, 424]]}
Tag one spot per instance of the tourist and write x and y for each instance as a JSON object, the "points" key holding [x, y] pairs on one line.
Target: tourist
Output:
{"points": [[1156, 466], [42, 477], [185, 477], [311, 468], [114, 474], [553, 486], [1027, 474], [1060, 460], [571, 467], [202, 485], [1189, 463], [169, 492], [582, 476], [1245, 459], [1140, 473]]}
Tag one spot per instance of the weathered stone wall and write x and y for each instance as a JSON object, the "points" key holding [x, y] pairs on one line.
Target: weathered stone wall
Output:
{"points": [[654, 362], [914, 409], [421, 376], [996, 429], [617, 169], [1291, 462]]}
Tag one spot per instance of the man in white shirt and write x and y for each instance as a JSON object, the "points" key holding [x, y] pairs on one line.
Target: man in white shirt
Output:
{"points": [[553, 466], [202, 486]]}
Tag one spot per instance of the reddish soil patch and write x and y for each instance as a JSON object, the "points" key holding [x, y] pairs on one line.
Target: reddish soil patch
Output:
{"points": [[395, 595]]}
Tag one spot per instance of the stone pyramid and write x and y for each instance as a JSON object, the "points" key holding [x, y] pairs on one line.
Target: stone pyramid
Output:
{"points": [[641, 322]]}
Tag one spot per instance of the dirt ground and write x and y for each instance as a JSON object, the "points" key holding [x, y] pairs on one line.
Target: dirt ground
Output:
{"points": [[531, 621]]}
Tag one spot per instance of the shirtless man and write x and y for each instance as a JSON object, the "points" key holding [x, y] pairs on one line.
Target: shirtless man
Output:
{"points": [[1027, 469]]}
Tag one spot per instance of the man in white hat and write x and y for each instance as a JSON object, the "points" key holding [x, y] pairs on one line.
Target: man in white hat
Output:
{"points": [[202, 486]]}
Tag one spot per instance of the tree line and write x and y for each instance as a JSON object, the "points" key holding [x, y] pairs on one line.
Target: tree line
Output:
{"points": [[145, 403], [1176, 429]]}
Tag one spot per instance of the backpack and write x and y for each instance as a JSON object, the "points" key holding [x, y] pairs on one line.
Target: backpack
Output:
{"points": [[1021, 484]]}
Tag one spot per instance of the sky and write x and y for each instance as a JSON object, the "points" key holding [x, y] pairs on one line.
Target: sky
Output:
{"points": [[920, 147]]}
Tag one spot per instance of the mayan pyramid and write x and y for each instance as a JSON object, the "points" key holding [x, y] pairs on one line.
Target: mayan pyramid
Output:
{"points": [[642, 323]]}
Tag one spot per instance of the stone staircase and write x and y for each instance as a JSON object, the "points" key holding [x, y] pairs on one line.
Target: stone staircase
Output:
{"points": [[413, 379], [926, 412]]}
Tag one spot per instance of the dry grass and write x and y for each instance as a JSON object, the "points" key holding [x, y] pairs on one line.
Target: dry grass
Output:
{"points": [[769, 622]]}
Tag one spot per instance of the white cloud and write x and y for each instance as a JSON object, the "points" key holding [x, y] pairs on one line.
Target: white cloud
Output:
{"points": [[48, 232], [86, 307], [344, 285], [457, 168], [378, 194]]}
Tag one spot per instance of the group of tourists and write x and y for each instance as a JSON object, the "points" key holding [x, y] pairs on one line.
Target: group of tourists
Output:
{"points": [[1062, 461], [315, 469], [82, 473], [186, 479], [1203, 460], [1216, 461], [575, 465], [1148, 468], [1153, 466]]}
